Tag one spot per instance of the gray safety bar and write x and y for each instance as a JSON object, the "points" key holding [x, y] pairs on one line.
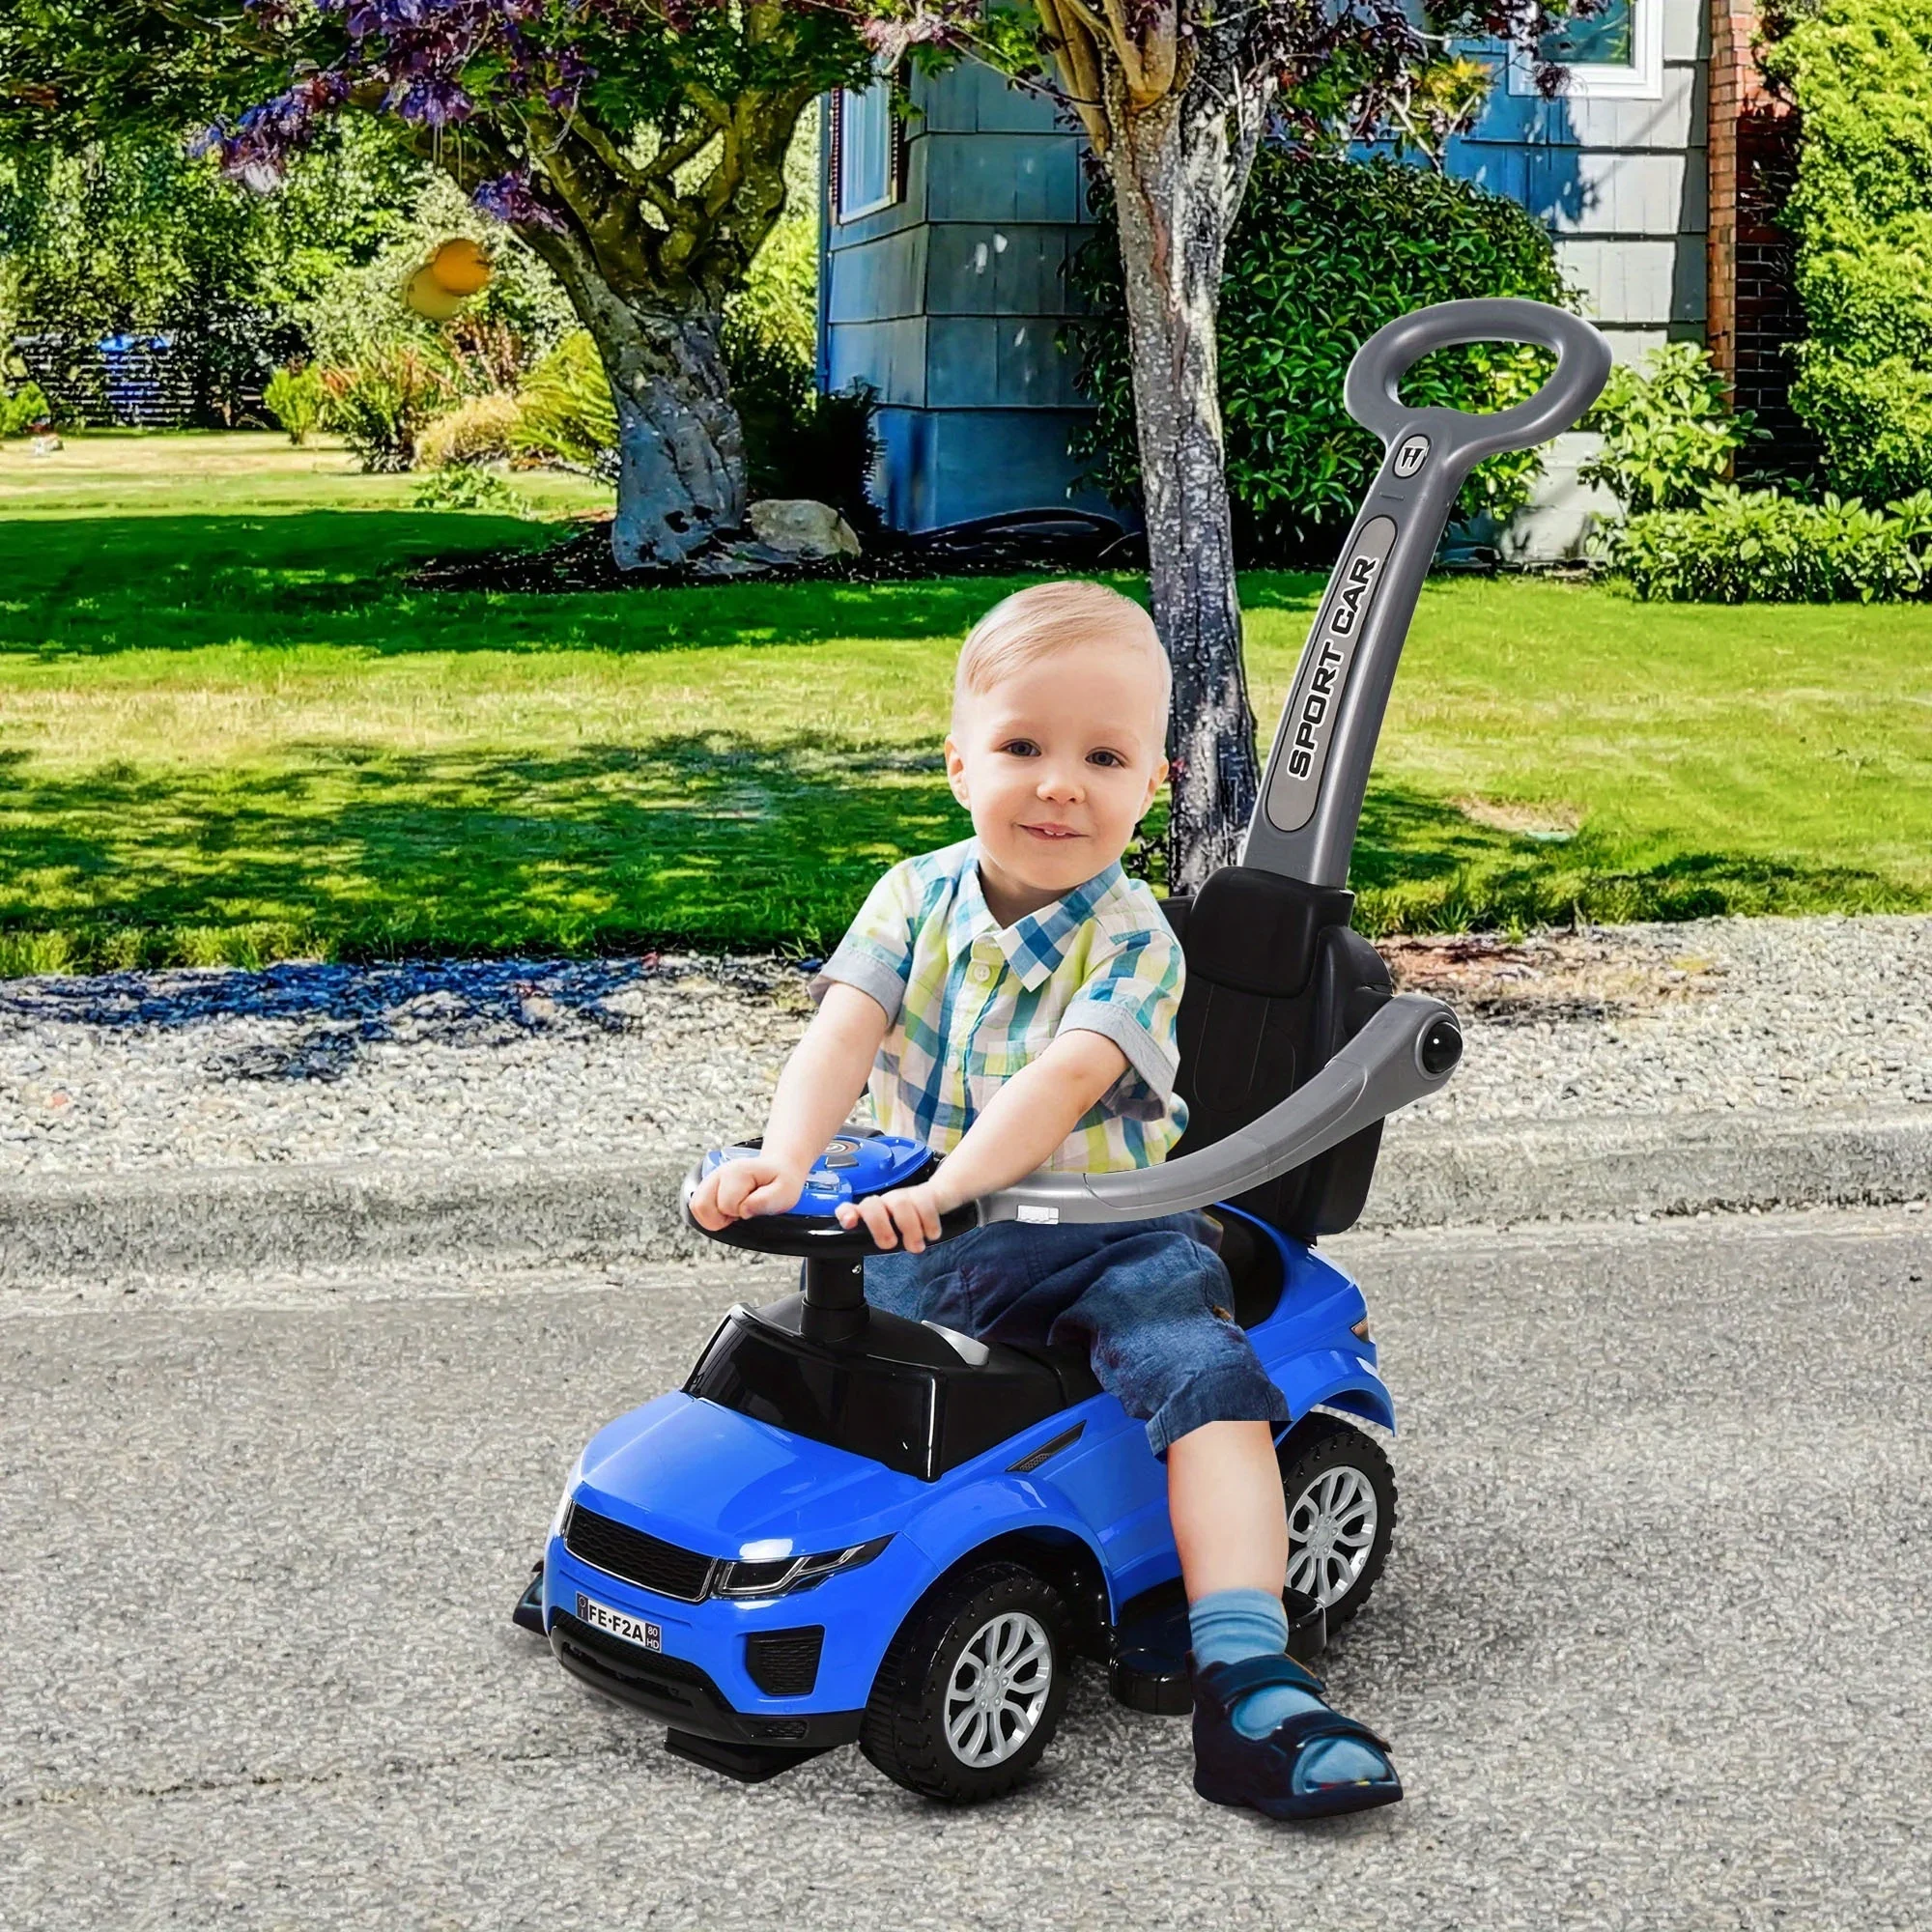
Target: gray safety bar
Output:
{"points": [[1409, 1049], [1310, 798]]}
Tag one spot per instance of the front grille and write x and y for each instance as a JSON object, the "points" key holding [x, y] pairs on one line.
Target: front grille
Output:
{"points": [[640, 1676], [784, 1663], [647, 1561]]}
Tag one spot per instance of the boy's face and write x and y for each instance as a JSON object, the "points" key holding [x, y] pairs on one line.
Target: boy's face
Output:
{"points": [[1057, 763]]}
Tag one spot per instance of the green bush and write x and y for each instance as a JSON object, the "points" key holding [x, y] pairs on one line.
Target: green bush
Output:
{"points": [[827, 451], [1874, 422], [296, 399], [1325, 251], [1741, 547], [564, 412], [465, 487], [130, 231], [382, 403], [1668, 431], [23, 408], [1860, 72]]}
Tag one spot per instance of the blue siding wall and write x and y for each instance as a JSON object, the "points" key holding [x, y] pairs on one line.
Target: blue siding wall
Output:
{"points": [[949, 304]]}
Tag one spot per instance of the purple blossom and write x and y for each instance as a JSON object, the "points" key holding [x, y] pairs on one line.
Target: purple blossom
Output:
{"points": [[432, 101], [417, 55], [511, 199]]}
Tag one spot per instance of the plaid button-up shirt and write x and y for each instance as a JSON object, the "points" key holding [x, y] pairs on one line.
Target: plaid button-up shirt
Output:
{"points": [[972, 1002]]}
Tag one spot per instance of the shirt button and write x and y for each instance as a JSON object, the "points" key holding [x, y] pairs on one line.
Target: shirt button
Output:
{"points": [[982, 971]]}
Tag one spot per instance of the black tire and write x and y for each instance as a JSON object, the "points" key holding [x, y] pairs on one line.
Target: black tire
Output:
{"points": [[905, 1732], [1309, 1457]]}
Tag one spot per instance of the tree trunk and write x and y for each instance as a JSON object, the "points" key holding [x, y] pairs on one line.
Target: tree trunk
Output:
{"points": [[1176, 185], [680, 445]]}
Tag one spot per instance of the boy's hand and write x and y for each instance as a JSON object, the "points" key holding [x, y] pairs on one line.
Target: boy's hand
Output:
{"points": [[737, 1189], [907, 1213]]}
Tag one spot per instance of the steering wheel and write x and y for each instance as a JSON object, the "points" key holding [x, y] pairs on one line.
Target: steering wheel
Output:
{"points": [[853, 1166]]}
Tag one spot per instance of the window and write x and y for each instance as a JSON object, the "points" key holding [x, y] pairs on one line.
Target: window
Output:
{"points": [[1614, 54], [866, 151], [1606, 39]]}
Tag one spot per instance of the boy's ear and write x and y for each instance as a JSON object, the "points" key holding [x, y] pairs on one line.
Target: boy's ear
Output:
{"points": [[1155, 780], [955, 772]]}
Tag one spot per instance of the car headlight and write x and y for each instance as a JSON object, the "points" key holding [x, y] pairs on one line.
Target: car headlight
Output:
{"points": [[570, 1482], [778, 1575]]}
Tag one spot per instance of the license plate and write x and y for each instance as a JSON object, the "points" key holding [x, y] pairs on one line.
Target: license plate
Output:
{"points": [[619, 1623]]}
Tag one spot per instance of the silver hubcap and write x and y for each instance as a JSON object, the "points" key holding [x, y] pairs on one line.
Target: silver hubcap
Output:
{"points": [[998, 1690], [1331, 1529]]}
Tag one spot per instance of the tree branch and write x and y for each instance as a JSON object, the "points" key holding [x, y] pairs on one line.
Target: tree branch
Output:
{"points": [[1074, 53], [604, 148]]}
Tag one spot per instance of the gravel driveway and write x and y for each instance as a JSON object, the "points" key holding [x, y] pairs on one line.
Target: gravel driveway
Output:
{"points": [[451, 1060]]}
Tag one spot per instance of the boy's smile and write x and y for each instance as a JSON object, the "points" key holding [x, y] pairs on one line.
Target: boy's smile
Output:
{"points": [[1057, 762]]}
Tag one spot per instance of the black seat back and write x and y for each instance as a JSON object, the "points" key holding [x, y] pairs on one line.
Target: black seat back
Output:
{"points": [[1276, 981]]}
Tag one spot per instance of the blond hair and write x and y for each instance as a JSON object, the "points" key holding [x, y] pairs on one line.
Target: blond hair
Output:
{"points": [[1029, 625]]}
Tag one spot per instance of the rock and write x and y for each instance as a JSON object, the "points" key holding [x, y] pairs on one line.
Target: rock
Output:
{"points": [[799, 526]]}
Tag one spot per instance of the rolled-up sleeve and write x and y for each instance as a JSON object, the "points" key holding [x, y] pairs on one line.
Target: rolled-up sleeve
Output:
{"points": [[1132, 997], [875, 955]]}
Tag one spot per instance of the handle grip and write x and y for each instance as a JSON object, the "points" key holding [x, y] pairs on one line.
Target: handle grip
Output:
{"points": [[1373, 389]]}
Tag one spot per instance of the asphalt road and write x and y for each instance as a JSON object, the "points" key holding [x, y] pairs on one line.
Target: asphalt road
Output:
{"points": [[1654, 1645]]}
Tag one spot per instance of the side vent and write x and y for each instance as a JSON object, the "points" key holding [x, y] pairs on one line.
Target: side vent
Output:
{"points": [[1047, 1451], [784, 1663]]}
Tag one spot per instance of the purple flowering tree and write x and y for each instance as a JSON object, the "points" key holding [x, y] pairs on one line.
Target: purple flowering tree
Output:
{"points": [[638, 146]]}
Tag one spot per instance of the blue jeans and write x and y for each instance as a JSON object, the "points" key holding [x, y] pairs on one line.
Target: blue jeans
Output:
{"points": [[1149, 1300]]}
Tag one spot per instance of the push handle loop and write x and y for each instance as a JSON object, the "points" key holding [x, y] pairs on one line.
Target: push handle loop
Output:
{"points": [[1375, 376]]}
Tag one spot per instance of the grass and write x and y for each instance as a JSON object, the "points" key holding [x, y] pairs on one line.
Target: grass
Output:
{"points": [[230, 733]]}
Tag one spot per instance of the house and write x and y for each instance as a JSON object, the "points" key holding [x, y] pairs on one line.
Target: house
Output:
{"points": [[944, 243]]}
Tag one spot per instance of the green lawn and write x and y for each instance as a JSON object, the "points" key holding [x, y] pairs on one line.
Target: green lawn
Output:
{"points": [[229, 732]]}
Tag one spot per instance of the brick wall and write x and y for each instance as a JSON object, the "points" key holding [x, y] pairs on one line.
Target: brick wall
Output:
{"points": [[1753, 311]]}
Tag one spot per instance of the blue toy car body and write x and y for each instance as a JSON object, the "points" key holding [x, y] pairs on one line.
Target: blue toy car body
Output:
{"points": [[743, 1581]]}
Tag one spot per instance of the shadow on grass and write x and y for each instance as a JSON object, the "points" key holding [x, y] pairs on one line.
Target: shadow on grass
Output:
{"points": [[710, 838], [88, 587], [713, 840]]}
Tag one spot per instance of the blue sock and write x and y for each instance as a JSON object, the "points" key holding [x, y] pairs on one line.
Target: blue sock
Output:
{"points": [[1231, 1626]]}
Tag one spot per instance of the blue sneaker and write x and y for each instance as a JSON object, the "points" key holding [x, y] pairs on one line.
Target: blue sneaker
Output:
{"points": [[1259, 1773]]}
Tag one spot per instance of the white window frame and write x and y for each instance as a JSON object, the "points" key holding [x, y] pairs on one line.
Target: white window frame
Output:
{"points": [[894, 188], [1641, 80]]}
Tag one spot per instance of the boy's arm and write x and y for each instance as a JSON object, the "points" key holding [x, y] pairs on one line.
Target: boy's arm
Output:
{"points": [[819, 1086], [1018, 1132]]}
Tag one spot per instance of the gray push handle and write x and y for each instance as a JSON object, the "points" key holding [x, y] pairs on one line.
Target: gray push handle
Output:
{"points": [[1310, 798], [1409, 1049]]}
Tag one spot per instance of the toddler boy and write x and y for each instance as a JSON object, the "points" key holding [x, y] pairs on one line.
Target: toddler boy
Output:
{"points": [[1011, 1001]]}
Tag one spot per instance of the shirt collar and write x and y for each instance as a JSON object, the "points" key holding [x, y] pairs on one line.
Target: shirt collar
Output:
{"points": [[1032, 947]]}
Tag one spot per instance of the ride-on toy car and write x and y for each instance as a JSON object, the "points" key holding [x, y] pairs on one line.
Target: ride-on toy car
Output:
{"points": [[851, 1527]]}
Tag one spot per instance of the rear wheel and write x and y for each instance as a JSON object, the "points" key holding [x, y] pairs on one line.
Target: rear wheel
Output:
{"points": [[1340, 1491], [971, 1691]]}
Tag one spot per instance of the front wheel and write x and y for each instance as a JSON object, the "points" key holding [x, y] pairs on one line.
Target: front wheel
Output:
{"points": [[972, 1688], [1340, 1491]]}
